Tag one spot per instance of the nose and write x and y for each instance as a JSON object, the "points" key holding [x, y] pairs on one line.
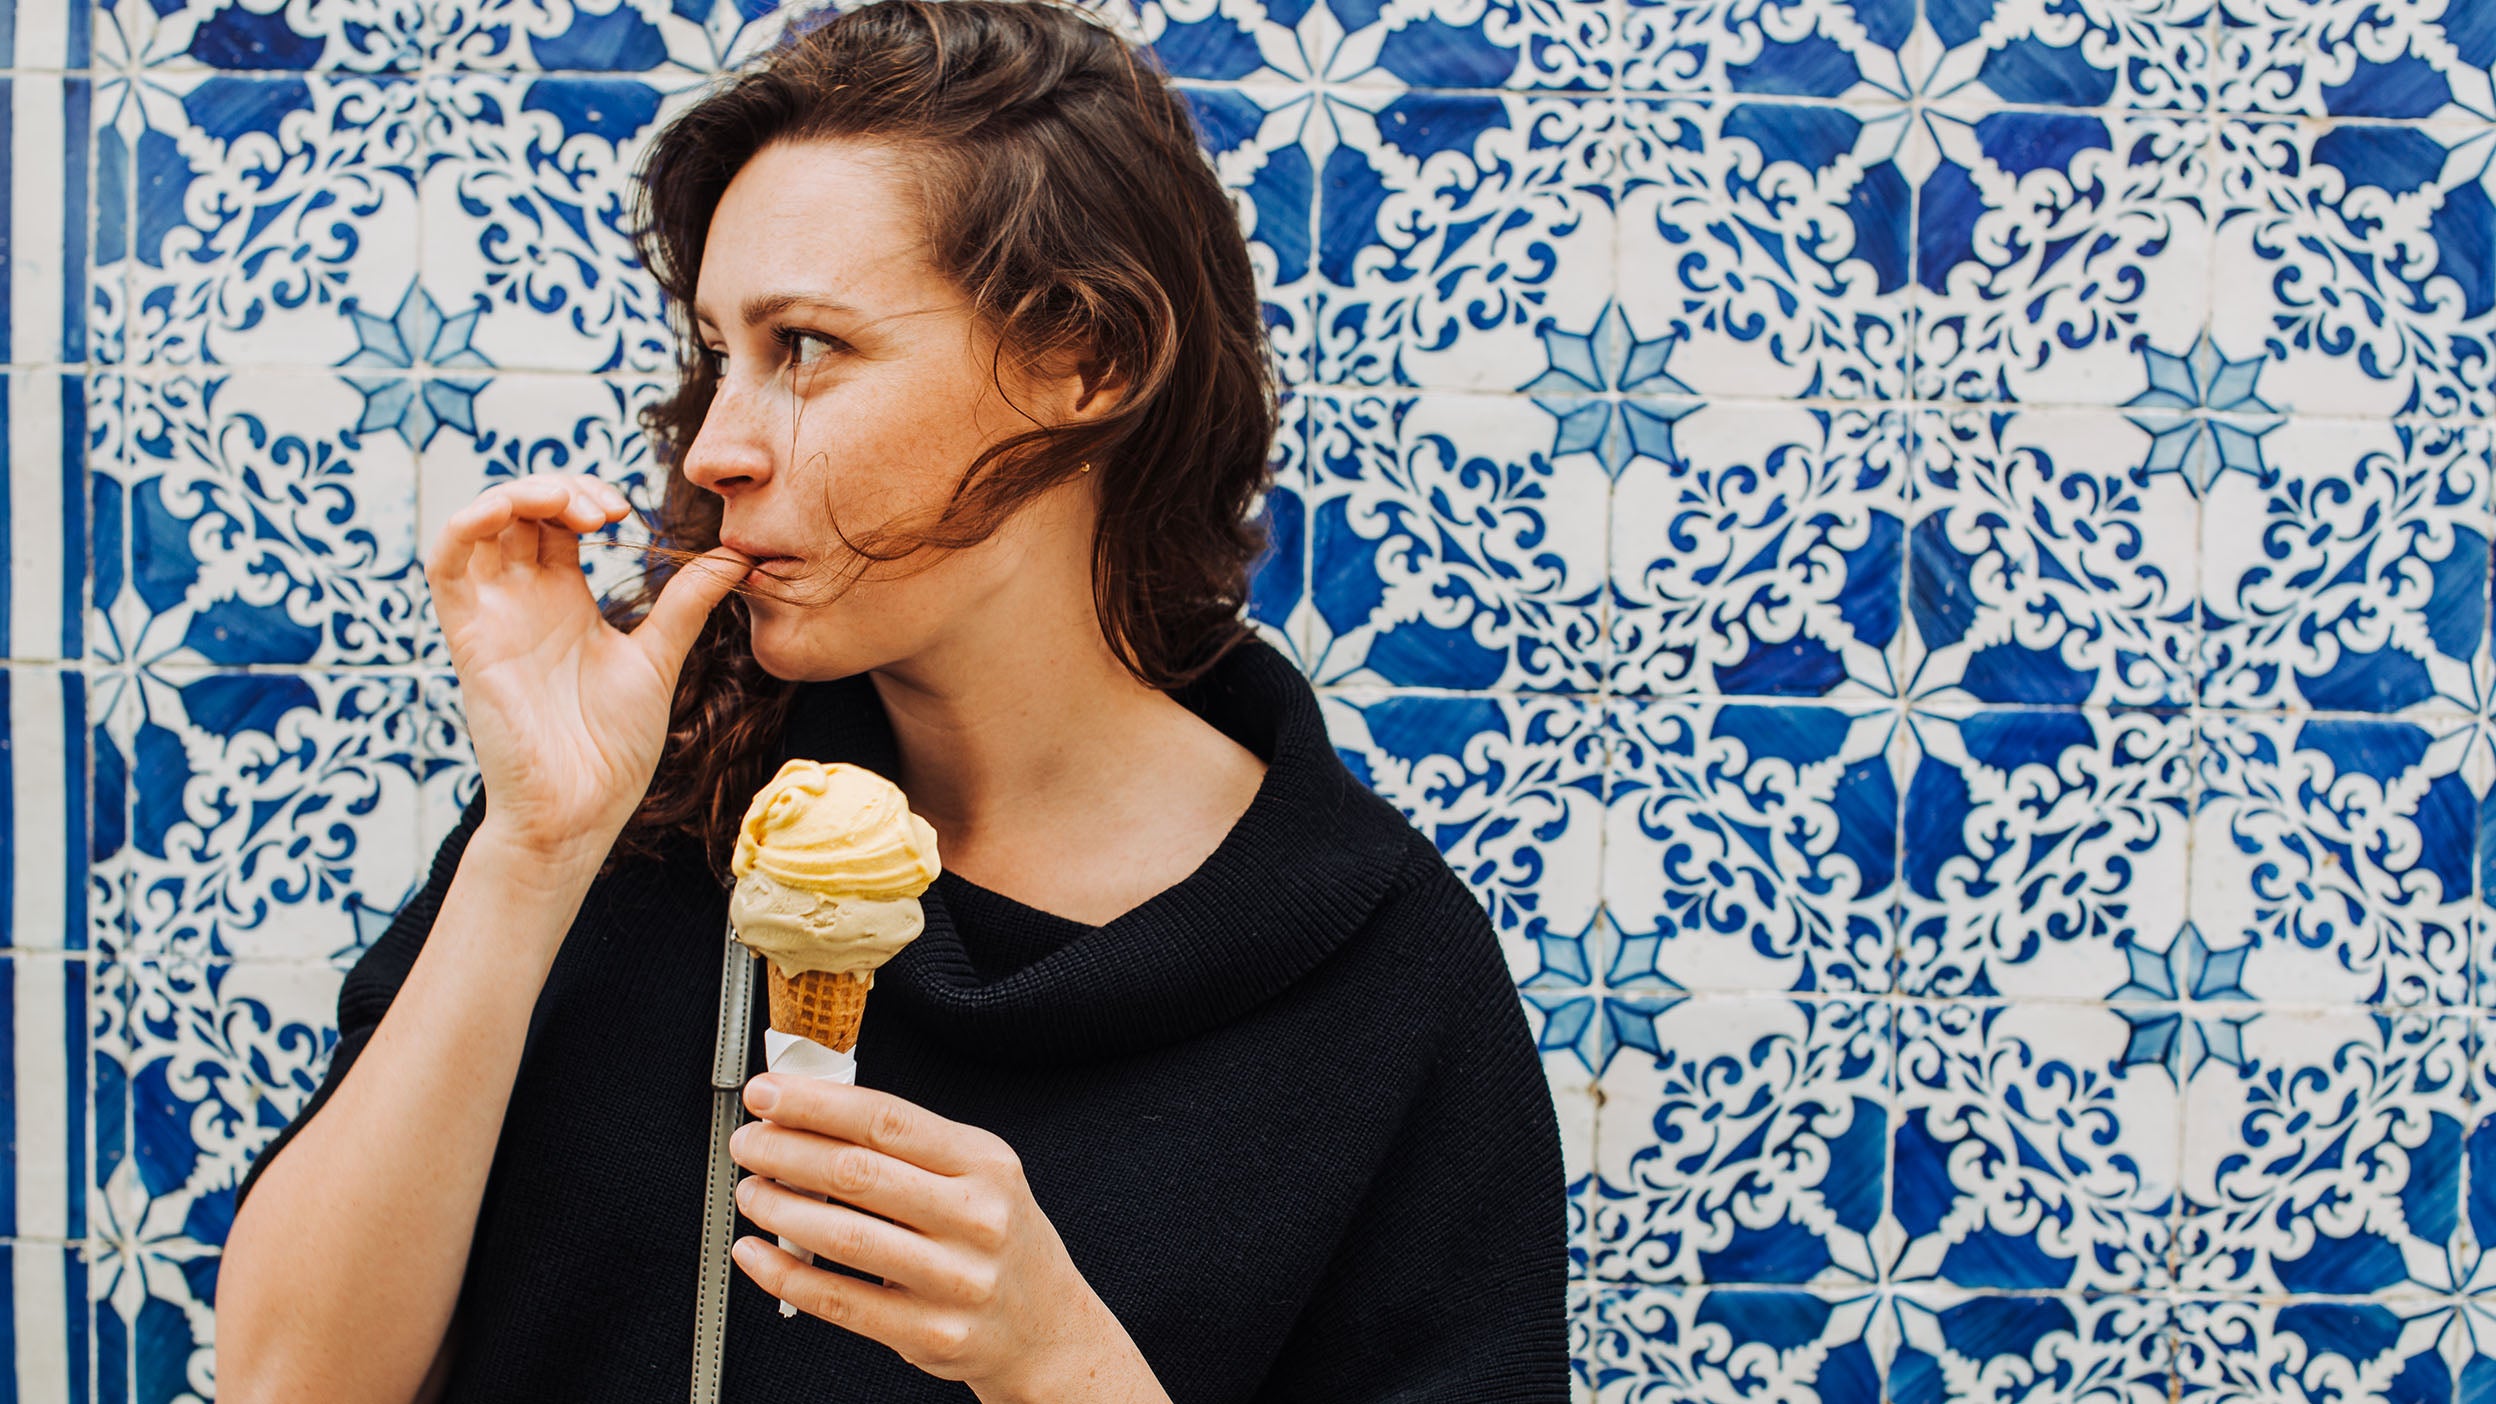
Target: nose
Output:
{"points": [[732, 451]]}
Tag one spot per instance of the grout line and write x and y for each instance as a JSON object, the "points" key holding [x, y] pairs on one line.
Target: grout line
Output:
{"points": [[164, 372]]}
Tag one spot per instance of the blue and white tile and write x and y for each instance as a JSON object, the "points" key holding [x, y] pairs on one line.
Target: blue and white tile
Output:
{"points": [[2059, 254], [1754, 847], [1251, 133], [109, 1046], [2323, 1152], [1746, 1141], [43, 456], [2044, 569], [221, 1056], [2341, 851], [2340, 58], [2472, 1267], [268, 212], [47, 997], [2293, 1351], [48, 36], [602, 36], [1574, 1106], [366, 36], [2044, 852], [1455, 230], [2003, 1348], [1580, 1305], [1763, 255], [2030, 1157], [1451, 547], [112, 205], [1511, 791], [47, 1002], [2145, 55], [1434, 44], [51, 1319], [1757, 551], [2345, 568], [1771, 50], [528, 259], [1279, 601], [2354, 255], [1678, 1343], [1581, 1209], [45, 213], [47, 991], [254, 519], [277, 816]]}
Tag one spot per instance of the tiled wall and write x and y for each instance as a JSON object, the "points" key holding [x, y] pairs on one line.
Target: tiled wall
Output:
{"points": [[1929, 562]]}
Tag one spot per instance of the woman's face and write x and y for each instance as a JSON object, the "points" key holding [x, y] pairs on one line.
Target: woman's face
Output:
{"points": [[855, 383]]}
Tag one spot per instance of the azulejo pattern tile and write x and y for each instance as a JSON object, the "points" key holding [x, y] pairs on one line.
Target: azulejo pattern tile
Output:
{"points": [[1450, 548], [1928, 561], [1758, 550], [2046, 852], [1753, 846]]}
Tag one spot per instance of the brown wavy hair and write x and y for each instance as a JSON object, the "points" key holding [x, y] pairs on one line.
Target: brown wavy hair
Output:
{"points": [[1062, 187]]}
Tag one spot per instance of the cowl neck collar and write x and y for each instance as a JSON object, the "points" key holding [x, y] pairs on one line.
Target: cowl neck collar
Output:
{"points": [[1299, 873]]}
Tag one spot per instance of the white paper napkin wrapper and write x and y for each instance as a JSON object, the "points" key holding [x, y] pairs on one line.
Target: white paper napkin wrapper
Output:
{"points": [[803, 1057]]}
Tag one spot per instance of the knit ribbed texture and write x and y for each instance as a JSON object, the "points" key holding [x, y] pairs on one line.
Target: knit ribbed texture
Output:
{"points": [[1000, 935], [1287, 1116]]}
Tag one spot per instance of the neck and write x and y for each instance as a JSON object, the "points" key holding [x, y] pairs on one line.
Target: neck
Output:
{"points": [[1010, 733]]}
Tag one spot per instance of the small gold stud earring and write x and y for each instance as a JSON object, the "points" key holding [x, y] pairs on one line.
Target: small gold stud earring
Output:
{"points": [[1087, 468]]}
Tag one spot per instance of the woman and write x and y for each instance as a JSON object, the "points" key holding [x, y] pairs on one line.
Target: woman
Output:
{"points": [[1205, 1081]]}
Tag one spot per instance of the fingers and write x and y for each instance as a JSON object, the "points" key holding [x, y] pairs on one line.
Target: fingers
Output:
{"points": [[857, 1175], [534, 521], [838, 1233], [870, 1117], [880, 1313], [675, 617]]}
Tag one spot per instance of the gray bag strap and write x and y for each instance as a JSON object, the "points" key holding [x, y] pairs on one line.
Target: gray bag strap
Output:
{"points": [[719, 1207]]}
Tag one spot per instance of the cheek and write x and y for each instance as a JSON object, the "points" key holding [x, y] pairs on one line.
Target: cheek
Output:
{"points": [[892, 441]]}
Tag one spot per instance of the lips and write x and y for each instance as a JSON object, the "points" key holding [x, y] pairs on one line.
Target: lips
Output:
{"points": [[759, 553]]}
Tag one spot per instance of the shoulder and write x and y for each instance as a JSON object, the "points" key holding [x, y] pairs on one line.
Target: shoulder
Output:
{"points": [[1435, 926]]}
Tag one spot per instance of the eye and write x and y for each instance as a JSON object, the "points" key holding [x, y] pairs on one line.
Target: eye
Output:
{"points": [[717, 358], [795, 339]]}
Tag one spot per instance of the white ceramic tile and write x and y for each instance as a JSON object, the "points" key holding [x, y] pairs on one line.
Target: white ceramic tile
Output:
{"points": [[2044, 849], [1754, 846], [1757, 550], [1450, 548]]}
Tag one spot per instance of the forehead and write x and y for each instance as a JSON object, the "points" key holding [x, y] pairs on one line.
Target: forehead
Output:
{"points": [[835, 219]]}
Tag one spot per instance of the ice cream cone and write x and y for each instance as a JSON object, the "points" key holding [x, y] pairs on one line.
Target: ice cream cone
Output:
{"points": [[826, 1006]]}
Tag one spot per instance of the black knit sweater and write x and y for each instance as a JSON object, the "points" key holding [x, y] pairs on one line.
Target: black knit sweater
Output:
{"points": [[1287, 1115]]}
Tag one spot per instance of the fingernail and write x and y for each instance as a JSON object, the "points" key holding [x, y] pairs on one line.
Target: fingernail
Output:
{"points": [[761, 1096], [744, 1251]]}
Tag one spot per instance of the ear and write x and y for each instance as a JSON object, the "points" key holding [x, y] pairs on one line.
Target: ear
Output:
{"points": [[1100, 390], [1075, 384]]}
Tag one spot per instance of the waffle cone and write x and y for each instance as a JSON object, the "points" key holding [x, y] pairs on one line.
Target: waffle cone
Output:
{"points": [[823, 1005]]}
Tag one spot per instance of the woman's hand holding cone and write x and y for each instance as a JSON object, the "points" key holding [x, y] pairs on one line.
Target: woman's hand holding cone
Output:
{"points": [[977, 1285]]}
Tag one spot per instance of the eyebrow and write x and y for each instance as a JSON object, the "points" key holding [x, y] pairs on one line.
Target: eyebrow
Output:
{"points": [[764, 306]]}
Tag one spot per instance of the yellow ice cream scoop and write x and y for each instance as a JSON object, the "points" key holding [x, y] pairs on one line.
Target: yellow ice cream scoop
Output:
{"points": [[838, 829], [830, 863]]}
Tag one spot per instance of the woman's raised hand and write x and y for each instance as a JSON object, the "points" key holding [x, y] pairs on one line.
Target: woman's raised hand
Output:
{"points": [[567, 712]]}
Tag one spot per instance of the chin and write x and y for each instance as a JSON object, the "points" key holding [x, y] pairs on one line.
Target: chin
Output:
{"points": [[772, 647], [781, 650]]}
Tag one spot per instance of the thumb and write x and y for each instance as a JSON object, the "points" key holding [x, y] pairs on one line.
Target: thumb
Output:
{"points": [[675, 619]]}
